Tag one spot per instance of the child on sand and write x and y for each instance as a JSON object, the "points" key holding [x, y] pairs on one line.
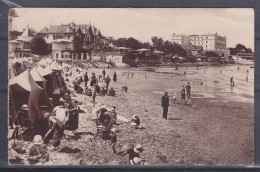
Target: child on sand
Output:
{"points": [[174, 98]]}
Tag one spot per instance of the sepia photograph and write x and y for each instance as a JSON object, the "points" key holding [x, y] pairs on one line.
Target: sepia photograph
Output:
{"points": [[131, 86]]}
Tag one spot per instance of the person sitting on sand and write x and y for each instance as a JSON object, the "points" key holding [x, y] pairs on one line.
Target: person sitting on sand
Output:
{"points": [[111, 92], [135, 121], [134, 155], [125, 88], [38, 151], [103, 91], [187, 102]]}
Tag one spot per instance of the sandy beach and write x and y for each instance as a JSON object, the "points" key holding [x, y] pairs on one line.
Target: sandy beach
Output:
{"points": [[217, 129]]}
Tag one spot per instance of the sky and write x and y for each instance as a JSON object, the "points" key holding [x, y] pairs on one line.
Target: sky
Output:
{"points": [[236, 24]]}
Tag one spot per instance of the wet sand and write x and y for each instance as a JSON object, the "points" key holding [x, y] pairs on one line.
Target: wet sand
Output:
{"points": [[217, 129]]}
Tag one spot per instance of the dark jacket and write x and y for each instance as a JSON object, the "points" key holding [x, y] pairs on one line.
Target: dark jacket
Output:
{"points": [[165, 101]]}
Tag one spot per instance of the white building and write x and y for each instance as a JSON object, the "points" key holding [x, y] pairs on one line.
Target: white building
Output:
{"points": [[209, 42]]}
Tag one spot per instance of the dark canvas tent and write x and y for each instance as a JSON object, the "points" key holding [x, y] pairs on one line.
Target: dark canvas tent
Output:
{"points": [[24, 90], [42, 83], [54, 81]]}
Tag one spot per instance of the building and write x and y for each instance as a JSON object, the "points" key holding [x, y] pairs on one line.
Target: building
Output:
{"points": [[12, 34], [63, 35], [62, 49], [20, 47], [209, 42]]}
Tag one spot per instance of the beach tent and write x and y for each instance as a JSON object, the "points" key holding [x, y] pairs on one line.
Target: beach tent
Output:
{"points": [[43, 62], [54, 66], [42, 83], [24, 90], [49, 60], [44, 71]]}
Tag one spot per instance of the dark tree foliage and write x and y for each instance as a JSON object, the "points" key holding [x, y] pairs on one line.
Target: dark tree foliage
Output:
{"points": [[39, 46], [133, 43], [157, 43], [78, 42], [240, 49]]}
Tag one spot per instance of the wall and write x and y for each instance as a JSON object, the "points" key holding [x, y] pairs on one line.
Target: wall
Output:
{"points": [[114, 58]]}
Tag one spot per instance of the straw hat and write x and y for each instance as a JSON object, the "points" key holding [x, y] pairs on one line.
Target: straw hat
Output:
{"points": [[37, 140], [25, 107], [138, 148]]}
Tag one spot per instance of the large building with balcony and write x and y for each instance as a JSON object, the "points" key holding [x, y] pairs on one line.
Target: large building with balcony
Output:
{"points": [[61, 37], [209, 42]]}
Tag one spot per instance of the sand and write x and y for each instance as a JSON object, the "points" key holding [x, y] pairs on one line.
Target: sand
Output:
{"points": [[217, 129]]}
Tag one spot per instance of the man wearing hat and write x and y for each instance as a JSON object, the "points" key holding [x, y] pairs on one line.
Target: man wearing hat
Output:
{"points": [[188, 88], [21, 119], [56, 131], [165, 104], [107, 81]]}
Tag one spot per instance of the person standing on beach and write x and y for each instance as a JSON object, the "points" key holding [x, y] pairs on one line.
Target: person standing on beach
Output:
{"points": [[107, 81], [93, 80], [247, 71], [188, 88], [165, 104], [115, 77], [104, 74], [86, 79], [231, 80]]}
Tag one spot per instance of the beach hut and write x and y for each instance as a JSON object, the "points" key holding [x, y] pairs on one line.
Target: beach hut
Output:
{"points": [[24, 90]]}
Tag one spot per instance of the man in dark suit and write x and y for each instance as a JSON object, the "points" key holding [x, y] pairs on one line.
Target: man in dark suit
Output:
{"points": [[165, 104]]}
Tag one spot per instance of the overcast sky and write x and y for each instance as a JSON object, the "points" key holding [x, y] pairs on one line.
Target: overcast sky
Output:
{"points": [[143, 23]]}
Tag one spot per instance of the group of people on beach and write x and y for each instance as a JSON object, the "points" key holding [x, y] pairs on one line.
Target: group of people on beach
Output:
{"points": [[165, 99]]}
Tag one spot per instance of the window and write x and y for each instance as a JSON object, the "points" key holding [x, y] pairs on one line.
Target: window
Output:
{"points": [[68, 36], [47, 36]]}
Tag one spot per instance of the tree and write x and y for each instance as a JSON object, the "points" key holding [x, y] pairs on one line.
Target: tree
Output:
{"points": [[78, 43], [132, 43], [157, 43], [120, 42], [39, 46], [240, 49]]}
